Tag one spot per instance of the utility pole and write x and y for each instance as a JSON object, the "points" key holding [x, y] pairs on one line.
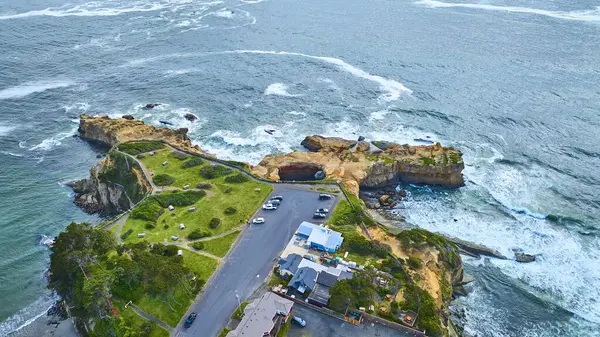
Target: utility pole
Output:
{"points": [[239, 303]]}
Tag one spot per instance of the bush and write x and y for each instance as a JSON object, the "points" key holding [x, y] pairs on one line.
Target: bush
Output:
{"points": [[150, 225], [239, 164], [163, 180], [135, 148], [238, 178], [166, 226], [215, 171], [194, 161], [205, 186], [140, 156], [166, 250], [214, 223], [198, 245], [148, 210], [198, 234], [178, 155], [414, 262], [179, 198], [230, 211], [228, 190], [126, 234]]}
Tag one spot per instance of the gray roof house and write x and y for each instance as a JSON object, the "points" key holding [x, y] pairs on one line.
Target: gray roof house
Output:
{"points": [[263, 317], [304, 280], [288, 266], [320, 294]]}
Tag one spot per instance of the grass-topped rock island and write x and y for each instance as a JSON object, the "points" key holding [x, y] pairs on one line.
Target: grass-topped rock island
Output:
{"points": [[176, 212]]}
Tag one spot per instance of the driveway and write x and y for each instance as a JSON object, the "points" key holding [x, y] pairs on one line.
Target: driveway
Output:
{"points": [[320, 325], [252, 258]]}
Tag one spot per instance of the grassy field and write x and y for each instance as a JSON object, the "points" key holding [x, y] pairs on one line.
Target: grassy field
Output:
{"points": [[137, 322], [245, 197], [220, 246], [202, 265]]}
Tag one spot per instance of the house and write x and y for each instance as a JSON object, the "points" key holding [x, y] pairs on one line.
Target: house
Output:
{"points": [[320, 237], [320, 294], [264, 317], [289, 265], [304, 280]]}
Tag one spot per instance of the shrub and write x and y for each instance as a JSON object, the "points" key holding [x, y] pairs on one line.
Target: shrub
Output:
{"points": [[214, 223], [179, 198], [414, 262], [198, 245], [215, 171], [166, 226], [198, 234], [163, 179], [230, 211], [140, 156], [194, 161], [178, 155], [205, 186], [148, 210], [238, 178], [135, 148], [227, 190], [150, 225], [166, 250], [126, 234], [239, 164]]}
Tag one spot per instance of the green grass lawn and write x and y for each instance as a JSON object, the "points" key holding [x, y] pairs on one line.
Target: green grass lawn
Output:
{"points": [[242, 196], [283, 332], [135, 321], [202, 265], [224, 332], [239, 311], [220, 246]]}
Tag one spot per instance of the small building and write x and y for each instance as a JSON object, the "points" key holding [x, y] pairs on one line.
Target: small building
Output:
{"points": [[174, 237], [171, 208], [354, 317], [289, 265], [304, 280], [165, 163], [192, 209], [152, 153], [264, 317], [142, 235], [181, 226], [320, 294], [320, 237], [186, 187], [180, 252]]}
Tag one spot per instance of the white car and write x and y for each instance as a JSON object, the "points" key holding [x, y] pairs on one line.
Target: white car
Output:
{"points": [[258, 221], [269, 207], [300, 321]]}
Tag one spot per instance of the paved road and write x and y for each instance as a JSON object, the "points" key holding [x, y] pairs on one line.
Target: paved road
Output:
{"points": [[251, 259], [320, 325]]}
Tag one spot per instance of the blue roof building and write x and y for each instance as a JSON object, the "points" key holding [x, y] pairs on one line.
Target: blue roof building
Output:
{"points": [[319, 237]]}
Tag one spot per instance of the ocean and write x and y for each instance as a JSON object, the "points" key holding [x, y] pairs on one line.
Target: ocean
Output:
{"points": [[513, 83]]}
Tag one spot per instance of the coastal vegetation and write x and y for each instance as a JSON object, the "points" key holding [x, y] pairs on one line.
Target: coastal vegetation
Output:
{"points": [[163, 180], [218, 246], [135, 148]]}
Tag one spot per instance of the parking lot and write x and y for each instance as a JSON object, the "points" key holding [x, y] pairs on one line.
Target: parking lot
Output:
{"points": [[321, 325], [252, 258]]}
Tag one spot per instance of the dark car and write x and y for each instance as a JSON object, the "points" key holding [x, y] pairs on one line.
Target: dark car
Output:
{"points": [[318, 215], [323, 210], [325, 197], [277, 197], [276, 202], [189, 320]]}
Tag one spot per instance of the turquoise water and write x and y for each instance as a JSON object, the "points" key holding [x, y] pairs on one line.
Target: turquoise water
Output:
{"points": [[513, 83]]}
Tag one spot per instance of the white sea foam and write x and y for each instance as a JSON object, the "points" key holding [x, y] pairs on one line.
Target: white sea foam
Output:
{"points": [[93, 8], [6, 129], [378, 115], [581, 15], [392, 88], [279, 89], [28, 88], [297, 113], [78, 108], [223, 13], [27, 315], [52, 142]]}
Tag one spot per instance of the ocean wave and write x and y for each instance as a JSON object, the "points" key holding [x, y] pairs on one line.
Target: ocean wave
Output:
{"points": [[29, 88], [52, 142], [581, 15], [392, 88], [27, 315], [93, 8], [6, 129], [297, 113], [279, 89]]}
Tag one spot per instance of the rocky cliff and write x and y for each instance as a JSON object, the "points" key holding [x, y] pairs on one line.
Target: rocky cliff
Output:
{"points": [[115, 184], [370, 164], [111, 131]]}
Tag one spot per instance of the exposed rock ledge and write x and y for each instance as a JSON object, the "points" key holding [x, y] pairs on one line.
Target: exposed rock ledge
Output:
{"points": [[370, 164], [111, 131]]}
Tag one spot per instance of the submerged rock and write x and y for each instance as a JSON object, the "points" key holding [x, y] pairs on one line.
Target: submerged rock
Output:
{"points": [[152, 105], [128, 117], [524, 258], [190, 117]]}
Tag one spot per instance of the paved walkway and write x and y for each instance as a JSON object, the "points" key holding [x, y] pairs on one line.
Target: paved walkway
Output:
{"points": [[150, 317]]}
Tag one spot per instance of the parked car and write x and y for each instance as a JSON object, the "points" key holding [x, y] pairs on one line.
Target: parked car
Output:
{"points": [[277, 197], [258, 221], [189, 320], [274, 202], [299, 320], [269, 207], [323, 210], [318, 215], [325, 196], [310, 258]]}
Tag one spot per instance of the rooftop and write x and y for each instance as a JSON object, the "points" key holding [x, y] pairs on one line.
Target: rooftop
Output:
{"points": [[258, 315]]}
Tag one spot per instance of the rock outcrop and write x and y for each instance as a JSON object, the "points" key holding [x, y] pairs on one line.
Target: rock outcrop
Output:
{"points": [[364, 164], [115, 184], [110, 131]]}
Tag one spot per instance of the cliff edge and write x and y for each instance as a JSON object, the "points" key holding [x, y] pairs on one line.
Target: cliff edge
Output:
{"points": [[367, 164]]}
